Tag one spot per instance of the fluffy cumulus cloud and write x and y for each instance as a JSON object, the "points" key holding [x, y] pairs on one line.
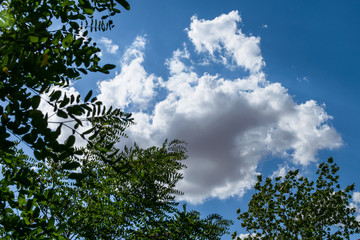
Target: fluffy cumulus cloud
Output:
{"points": [[229, 124], [133, 85], [222, 35]]}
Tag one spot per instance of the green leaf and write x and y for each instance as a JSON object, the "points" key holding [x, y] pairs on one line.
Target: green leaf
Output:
{"points": [[61, 113], [72, 98], [109, 66], [89, 131], [74, 25], [71, 165], [89, 11], [21, 200], [43, 39], [5, 60], [93, 99], [35, 102], [9, 210], [70, 141], [77, 176], [51, 223], [88, 96], [35, 114], [82, 70], [124, 3], [28, 138], [38, 155], [75, 110], [64, 102], [55, 95], [22, 130], [68, 40], [36, 212], [79, 152], [61, 229], [34, 39]]}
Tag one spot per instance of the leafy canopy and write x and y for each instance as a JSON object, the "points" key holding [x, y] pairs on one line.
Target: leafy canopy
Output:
{"points": [[43, 44], [132, 198], [294, 207]]}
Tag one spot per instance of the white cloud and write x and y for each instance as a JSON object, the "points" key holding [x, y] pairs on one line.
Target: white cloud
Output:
{"points": [[356, 204], [132, 85], [229, 124], [222, 35], [109, 45], [81, 34], [356, 197], [281, 171], [244, 235]]}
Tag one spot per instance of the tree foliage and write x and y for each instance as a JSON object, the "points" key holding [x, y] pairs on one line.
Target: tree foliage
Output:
{"points": [[95, 192], [294, 207], [132, 198], [43, 44]]}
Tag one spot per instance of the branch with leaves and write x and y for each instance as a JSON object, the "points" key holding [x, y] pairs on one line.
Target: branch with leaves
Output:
{"points": [[34, 59]]}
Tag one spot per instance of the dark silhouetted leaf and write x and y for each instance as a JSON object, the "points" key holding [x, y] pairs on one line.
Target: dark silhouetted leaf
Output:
{"points": [[71, 165], [88, 96]]}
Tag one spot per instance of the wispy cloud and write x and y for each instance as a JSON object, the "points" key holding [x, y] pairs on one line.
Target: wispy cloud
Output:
{"points": [[109, 45], [281, 171], [229, 124], [302, 79]]}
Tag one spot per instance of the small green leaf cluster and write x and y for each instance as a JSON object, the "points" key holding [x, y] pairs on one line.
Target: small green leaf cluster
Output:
{"points": [[293, 207]]}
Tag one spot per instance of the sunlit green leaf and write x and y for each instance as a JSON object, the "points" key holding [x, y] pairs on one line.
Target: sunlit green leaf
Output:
{"points": [[34, 39], [68, 40], [89, 11]]}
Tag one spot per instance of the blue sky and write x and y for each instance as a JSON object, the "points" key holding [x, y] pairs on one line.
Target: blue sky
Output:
{"points": [[253, 86]]}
